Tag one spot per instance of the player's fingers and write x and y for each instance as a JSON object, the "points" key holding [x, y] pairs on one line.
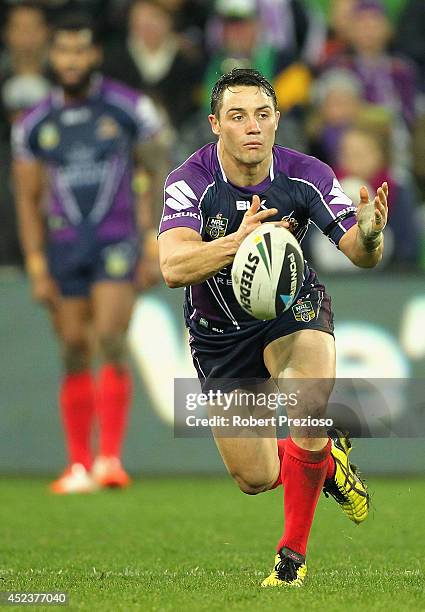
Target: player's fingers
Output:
{"points": [[380, 214], [382, 197], [380, 204], [265, 214], [283, 223], [385, 188], [364, 195], [256, 203]]}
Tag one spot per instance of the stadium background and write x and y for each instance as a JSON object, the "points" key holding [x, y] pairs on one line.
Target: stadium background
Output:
{"points": [[385, 307], [183, 537]]}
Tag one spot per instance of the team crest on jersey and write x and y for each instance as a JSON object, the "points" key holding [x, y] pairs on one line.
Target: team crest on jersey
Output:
{"points": [[216, 226], [303, 311], [49, 136], [107, 128], [117, 260]]}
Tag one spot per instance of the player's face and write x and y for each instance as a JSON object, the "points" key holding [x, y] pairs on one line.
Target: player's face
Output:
{"points": [[246, 124], [73, 58]]}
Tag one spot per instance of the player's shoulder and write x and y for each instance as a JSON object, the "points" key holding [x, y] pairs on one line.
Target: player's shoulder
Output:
{"points": [[35, 115], [198, 170], [116, 91], [303, 168], [129, 104]]}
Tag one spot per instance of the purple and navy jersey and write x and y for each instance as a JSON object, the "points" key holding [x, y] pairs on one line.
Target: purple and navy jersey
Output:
{"points": [[199, 196], [87, 150]]}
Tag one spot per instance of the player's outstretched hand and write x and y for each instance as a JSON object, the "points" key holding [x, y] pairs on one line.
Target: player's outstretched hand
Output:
{"points": [[45, 291], [254, 217], [372, 216]]}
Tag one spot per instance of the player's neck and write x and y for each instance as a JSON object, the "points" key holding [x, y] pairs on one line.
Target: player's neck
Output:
{"points": [[76, 97], [240, 174]]}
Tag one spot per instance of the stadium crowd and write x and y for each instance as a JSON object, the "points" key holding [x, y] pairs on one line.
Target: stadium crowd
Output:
{"points": [[349, 77]]}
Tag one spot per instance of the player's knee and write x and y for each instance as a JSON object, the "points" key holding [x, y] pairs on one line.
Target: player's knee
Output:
{"points": [[113, 349], [312, 400], [75, 356], [254, 483]]}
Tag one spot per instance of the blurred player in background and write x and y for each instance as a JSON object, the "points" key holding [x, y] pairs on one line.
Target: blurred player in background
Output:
{"points": [[212, 202], [73, 170]]}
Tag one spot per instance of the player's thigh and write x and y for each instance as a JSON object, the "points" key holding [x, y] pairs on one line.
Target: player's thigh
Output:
{"points": [[112, 304], [248, 452], [308, 353], [303, 367]]}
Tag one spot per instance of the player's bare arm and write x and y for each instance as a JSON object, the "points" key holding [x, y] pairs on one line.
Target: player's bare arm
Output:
{"points": [[185, 259], [363, 243], [28, 181]]}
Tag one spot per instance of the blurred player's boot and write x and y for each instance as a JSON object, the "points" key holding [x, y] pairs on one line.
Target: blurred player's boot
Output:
{"points": [[290, 569], [346, 486], [75, 479], [108, 472]]}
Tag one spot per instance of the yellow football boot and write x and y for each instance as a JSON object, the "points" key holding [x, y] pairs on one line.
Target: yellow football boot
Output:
{"points": [[346, 487], [289, 570]]}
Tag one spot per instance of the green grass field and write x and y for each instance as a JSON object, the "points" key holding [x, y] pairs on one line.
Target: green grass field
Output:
{"points": [[195, 544]]}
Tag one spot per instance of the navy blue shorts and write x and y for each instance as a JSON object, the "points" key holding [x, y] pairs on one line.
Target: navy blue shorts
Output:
{"points": [[75, 271], [236, 356]]}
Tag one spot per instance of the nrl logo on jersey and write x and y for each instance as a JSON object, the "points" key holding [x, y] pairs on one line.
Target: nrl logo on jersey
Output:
{"points": [[48, 137], [216, 226]]}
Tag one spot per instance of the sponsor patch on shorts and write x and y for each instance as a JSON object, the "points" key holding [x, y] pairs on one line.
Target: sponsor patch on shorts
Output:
{"points": [[303, 311]]}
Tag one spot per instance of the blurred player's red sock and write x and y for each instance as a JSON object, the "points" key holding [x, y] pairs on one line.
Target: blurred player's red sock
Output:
{"points": [[113, 401], [77, 401], [281, 451], [303, 473]]}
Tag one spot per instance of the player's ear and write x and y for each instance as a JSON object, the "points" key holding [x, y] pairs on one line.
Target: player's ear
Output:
{"points": [[277, 118], [215, 125]]}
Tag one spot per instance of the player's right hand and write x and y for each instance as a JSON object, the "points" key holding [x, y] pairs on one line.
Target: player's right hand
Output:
{"points": [[44, 290], [254, 217]]}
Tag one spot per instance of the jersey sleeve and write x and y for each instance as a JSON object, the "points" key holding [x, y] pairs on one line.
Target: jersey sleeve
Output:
{"points": [[330, 209], [148, 119], [23, 141], [184, 191]]}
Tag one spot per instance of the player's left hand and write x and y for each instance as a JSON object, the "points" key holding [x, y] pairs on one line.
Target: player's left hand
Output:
{"points": [[372, 216]]}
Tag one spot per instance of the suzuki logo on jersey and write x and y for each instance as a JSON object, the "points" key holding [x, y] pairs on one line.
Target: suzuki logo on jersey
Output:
{"points": [[246, 204], [181, 196]]}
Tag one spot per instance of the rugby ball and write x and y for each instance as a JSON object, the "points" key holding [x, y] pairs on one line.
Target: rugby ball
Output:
{"points": [[267, 271]]}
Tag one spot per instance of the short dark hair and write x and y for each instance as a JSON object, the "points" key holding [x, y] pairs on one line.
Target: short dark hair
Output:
{"points": [[240, 76], [75, 22]]}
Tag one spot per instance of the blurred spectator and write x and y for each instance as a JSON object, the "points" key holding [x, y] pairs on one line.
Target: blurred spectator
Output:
{"points": [[190, 18], [338, 37], [410, 37], [292, 28], [365, 155], [386, 79], [242, 45], [418, 146], [338, 100], [152, 60], [22, 84], [25, 36]]}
